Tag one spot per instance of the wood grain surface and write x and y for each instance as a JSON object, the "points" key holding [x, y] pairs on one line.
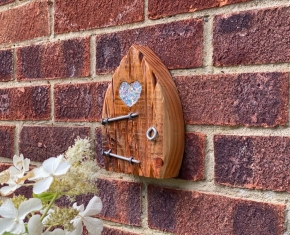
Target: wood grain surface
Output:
{"points": [[158, 106]]}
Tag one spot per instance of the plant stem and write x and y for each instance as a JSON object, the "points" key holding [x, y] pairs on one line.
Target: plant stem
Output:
{"points": [[49, 206]]}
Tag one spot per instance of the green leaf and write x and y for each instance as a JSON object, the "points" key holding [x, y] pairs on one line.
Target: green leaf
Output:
{"points": [[45, 197], [7, 233]]}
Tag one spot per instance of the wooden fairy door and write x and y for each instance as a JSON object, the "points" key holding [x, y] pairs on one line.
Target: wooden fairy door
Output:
{"points": [[143, 127]]}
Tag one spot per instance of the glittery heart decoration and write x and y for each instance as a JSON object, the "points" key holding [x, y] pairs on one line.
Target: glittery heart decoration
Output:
{"points": [[130, 93]]}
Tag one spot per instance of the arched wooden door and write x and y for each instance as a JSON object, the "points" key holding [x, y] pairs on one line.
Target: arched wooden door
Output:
{"points": [[149, 133]]}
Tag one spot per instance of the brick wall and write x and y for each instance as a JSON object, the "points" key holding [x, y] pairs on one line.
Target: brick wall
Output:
{"points": [[230, 62]]}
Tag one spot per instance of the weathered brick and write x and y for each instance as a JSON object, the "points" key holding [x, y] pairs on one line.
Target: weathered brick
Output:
{"points": [[121, 201], [6, 65], [98, 143], [162, 8], [25, 103], [113, 231], [252, 37], [250, 99], [4, 166], [178, 44], [26, 191], [7, 141], [192, 167], [185, 212], [81, 199], [18, 25], [40, 143], [79, 102], [76, 15], [260, 162], [70, 58], [2, 2]]}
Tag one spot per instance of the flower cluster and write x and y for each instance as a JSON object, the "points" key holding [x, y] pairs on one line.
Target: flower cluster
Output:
{"points": [[68, 175]]}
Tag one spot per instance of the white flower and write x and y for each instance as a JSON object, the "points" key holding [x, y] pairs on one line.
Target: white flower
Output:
{"points": [[50, 168], [35, 227], [93, 225], [12, 186], [4, 176], [12, 220], [57, 231], [16, 180], [21, 165]]}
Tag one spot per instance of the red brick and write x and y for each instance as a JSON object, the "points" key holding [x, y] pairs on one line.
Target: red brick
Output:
{"points": [[2, 2], [79, 102], [6, 65], [252, 37], [25, 103], [4, 166], [40, 143], [185, 212], [260, 162], [121, 201], [81, 199], [98, 143], [113, 231], [250, 99], [77, 15], [7, 141], [192, 167], [162, 8], [26, 191], [178, 44], [18, 25], [70, 58]]}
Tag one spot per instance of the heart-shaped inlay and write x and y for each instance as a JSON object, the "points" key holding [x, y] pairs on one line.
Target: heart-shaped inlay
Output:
{"points": [[130, 93]]}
